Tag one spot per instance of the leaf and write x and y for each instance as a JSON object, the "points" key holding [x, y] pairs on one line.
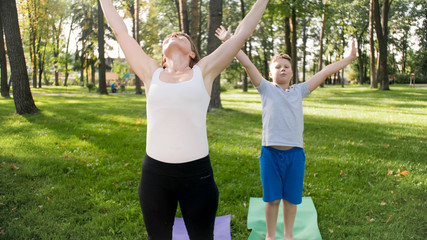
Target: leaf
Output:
{"points": [[370, 219], [13, 167], [405, 173], [342, 173], [389, 217], [210, 135], [383, 203], [390, 172], [387, 145]]}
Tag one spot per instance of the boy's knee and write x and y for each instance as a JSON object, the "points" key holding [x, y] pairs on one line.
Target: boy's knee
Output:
{"points": [[286, 203], [274, 203]]}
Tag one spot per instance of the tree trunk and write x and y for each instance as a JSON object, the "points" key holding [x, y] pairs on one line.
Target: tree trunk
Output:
{"points": [[294, 46], [138, 89], [179, 15], [287, 28], [194, 31], [245, 74], [266, 61], [42, 61], [101, 52], [3, 66], [66, 52], [215, 19], [56, 40], [374, 83], [381, 28], [23, 99], [304, 46], [183, 16], [360, 58], [322, 34]]}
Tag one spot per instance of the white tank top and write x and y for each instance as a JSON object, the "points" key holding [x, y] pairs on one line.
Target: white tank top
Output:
{"points": [[176, 119]]}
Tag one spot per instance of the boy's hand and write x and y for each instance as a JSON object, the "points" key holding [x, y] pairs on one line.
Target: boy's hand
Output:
{"points": [[223, 34]]}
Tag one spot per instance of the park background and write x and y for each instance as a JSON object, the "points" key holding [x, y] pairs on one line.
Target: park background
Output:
{"points": [[70, 151]]}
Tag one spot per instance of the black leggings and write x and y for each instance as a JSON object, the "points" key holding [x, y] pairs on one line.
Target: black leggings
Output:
{"points": [[190, 184]]}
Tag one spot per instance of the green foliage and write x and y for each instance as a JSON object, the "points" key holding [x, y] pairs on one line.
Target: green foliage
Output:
{"points": [[120, 67], [90, 86], [122, 88], [72, 171]]}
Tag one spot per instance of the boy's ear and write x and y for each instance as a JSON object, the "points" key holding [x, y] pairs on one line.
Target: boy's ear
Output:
{"points": [[270, 74]]}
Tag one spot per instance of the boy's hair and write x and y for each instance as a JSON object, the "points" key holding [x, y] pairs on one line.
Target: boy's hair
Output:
{"points": [[194, 60], [281, 56]]}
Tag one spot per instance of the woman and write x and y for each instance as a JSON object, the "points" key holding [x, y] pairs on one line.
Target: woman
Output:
{"points": [[177, 168]]}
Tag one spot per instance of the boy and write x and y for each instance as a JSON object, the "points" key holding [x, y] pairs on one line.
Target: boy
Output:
{"points": [[282, 158]]}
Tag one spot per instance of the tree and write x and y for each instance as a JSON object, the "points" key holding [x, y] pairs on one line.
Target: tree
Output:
{"points": [[183, 16], [136, 36], [194, 27], [215, 18], [322, 35], [245, 49], [3, 66], [381, 29], [101, 50], [23, 99], [57, 13], [374, 83]]}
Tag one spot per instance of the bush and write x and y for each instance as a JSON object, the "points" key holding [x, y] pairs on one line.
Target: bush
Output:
{"points": [[122, 88], [401, 78], [225, 85], [90, 86]]}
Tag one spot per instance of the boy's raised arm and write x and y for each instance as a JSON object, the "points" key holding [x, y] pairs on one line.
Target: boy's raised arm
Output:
{"points": [[315, 81], [254, 75], [139, 61]]}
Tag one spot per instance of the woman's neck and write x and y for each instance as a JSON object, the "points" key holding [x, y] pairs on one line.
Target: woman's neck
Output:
{"points": [[177, 63]]}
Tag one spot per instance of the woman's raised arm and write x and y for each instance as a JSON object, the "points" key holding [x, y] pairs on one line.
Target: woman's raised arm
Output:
{"points": [[139, 61]]}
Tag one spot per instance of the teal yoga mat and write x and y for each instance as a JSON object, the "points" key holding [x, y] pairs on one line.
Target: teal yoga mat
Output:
{"points": [[305, 227]]}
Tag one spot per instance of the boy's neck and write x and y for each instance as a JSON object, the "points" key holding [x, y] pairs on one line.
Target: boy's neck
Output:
{"points": [[284, 86]]}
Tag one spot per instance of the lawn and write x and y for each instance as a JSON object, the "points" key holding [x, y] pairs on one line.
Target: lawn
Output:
{"points": [[72, 170]]}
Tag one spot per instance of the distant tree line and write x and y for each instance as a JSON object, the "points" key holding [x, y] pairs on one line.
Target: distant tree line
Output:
{"points": [[391, 38]]}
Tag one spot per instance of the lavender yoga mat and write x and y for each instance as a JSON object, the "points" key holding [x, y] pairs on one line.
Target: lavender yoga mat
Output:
{"points": [[221, 232]]}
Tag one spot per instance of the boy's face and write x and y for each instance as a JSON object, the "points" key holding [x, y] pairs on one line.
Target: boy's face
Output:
{"points": [[281, 71]]}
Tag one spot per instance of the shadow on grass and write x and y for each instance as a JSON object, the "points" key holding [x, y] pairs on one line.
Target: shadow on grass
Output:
{"points": [[81, 146]]}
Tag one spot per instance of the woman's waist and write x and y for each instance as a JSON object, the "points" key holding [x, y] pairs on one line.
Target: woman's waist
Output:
{"points": [[191, 168]]}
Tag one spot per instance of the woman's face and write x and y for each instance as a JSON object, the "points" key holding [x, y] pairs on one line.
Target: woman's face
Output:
{"points": [[176, 41]]}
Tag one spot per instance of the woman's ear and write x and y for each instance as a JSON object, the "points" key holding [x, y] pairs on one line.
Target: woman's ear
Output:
{"points": [[192, 55]]}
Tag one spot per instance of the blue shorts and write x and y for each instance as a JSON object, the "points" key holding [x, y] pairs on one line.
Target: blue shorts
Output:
{"points": [[282, 174]]}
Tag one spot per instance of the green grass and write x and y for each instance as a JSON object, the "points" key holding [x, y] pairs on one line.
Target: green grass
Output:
{"points": [[72, 170]]}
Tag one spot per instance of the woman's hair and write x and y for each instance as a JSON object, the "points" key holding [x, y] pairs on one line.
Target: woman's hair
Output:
{"points": [[196, 58], [281, 56]]}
